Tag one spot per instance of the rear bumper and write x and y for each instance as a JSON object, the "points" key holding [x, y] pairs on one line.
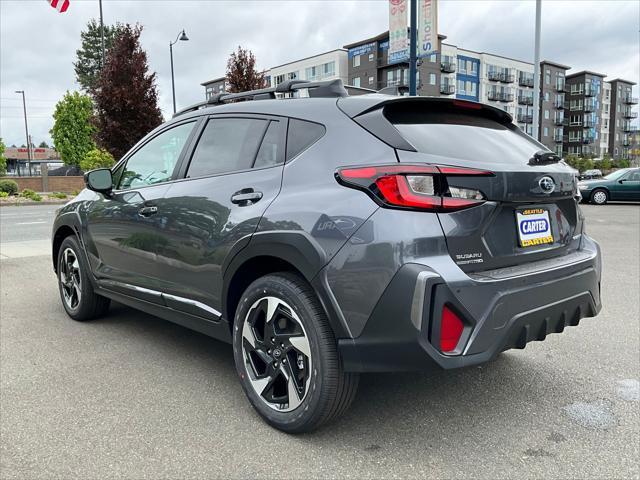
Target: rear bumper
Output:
{"points": [[501, 310]]}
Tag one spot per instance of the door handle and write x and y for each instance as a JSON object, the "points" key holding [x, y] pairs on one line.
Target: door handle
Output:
{"points": [[147, 211], [245, 197]]}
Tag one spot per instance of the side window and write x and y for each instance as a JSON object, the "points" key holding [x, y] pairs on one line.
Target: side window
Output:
{"points": [[302, 135], [227, 145], [155, 161], [269, 153], [634, 176]]}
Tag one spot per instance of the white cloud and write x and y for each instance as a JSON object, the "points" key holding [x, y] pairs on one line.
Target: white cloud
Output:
{"points": [[37, 44]]}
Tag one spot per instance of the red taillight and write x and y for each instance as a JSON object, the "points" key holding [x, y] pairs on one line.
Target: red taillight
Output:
{"points": [[450, 330], [422, 187]]}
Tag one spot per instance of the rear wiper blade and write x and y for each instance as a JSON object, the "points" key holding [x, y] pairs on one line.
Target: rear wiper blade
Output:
{"points": [[542, 158]]}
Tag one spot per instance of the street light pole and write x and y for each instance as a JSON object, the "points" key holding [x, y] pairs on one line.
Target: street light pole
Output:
{"points": [[536, 74], [26, 130], [181, 37]]}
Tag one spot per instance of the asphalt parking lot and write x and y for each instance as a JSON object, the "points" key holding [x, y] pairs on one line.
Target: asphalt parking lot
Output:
{"points": [[131, 396]]}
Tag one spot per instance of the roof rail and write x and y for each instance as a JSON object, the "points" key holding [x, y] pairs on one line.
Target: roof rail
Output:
{"points": [[329, 88]]}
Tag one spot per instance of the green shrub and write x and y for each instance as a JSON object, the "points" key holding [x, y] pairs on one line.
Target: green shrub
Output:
{"points": [[96, 158], [58, 195], [4, 194], [8, 186], [28, 193]]}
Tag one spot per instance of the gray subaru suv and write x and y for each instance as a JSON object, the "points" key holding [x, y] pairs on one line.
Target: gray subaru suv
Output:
{"points": [[326, 234]]}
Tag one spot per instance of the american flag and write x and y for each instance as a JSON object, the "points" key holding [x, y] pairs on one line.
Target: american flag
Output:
{"points": [[60, 5]]}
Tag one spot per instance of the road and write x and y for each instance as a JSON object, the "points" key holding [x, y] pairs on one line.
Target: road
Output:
{"points": [[25, 230], [131, 396]]}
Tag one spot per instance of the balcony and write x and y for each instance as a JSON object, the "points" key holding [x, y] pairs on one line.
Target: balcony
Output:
{"points": [[447, 67], [447, 89], [494, 76], [589, 106], [629, 100], [495, 96], [506, 97], [558, 138], [525, 118], [525, 81], [588, 123], [558, 103], [525, 99], [558, 120], [560, 87], [589, 91], [627, 127], [628, 113], [588, 139], [507, 78], [626, 141]]}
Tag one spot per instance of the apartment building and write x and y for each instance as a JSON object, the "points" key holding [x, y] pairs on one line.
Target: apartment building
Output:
{"points": [[622, 143], [324, 66], [552, 103], [585, 114]]}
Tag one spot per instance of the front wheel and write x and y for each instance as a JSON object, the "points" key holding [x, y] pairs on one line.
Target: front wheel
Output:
{"points": [[76, 292], [286, 355], [599, 197]]}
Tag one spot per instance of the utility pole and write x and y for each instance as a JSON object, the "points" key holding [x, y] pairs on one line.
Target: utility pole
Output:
{"points": [[413, 50], [101, 33], [536, 74], [26, 131]]}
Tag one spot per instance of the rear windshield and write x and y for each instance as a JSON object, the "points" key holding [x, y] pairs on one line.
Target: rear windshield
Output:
{"points": [[461, 135]]}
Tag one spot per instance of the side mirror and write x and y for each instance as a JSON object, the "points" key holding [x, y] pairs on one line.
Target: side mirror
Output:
{"points": [[99, 180]]}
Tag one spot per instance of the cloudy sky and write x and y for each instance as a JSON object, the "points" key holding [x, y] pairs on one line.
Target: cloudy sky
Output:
{"points": [[37, 44]]}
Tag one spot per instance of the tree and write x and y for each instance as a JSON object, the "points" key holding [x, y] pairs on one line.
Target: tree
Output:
{"points": [[3, 160], [89, 55], [126, 95], [73, 128], [43, 144], [605, 163], [241, 72]]}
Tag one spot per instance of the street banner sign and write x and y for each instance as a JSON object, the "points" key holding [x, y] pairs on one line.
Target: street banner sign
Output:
{"points": [[427, 27], [398, 35]]}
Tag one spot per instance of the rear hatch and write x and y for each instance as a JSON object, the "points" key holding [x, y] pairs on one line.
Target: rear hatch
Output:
{"points": [[528, 210]]}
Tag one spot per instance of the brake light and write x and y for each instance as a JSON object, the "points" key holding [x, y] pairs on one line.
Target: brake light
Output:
{"points": [[417, 187], [450, 330]]}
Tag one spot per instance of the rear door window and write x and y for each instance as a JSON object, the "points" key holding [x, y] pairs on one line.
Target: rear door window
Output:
{"points": [[302, 135], [227, 145], [458, 135]]}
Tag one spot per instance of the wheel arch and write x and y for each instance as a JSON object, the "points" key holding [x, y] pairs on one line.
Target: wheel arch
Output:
{"points": [[272, 252], [61, 232], [600, 187]]}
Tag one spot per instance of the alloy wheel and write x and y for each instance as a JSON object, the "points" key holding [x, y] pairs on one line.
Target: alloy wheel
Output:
{"points": [[70, 278], [277, 354]]}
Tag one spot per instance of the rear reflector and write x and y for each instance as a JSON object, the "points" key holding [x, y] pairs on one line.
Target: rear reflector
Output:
{"points": [[416, 187], [450, 330]]}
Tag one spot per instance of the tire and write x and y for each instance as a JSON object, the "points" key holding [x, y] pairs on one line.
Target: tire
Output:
{"points": [[599, 196], [296, 386], [76, 291]]}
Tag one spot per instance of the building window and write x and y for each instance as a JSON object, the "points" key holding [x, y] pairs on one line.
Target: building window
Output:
{"points": [[329, 69], [356, 60], [432, 79], [546, 131], [370, 80], [279, 78], [371, 57], [472, 68], [462, 66], [461, 89], [356, 82], [292, 75], [312, 73]]}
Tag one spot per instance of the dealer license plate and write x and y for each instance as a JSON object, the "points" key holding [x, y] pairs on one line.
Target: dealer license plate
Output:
{"points": [[534, 227]]}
